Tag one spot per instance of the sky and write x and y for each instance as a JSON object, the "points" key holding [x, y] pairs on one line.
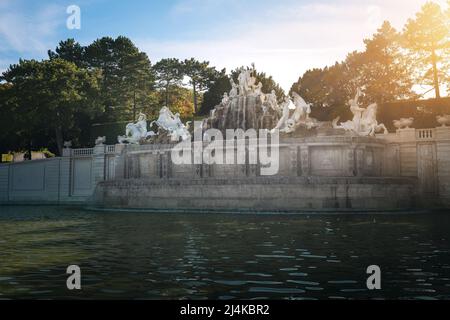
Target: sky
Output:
{"points": [[284, 38]]}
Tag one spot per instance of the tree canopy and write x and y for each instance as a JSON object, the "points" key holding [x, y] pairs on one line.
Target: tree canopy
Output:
{"points": [[110, 80], [427, 37], [49, 97]]}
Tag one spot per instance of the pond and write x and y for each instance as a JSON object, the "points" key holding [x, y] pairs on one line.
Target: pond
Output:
{"points": [[221, 256]]}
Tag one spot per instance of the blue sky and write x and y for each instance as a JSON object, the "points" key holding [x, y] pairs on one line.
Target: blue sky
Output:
{"points": [[284, 37]]}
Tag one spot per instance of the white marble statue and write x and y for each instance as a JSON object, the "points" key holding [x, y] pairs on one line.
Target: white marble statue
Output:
{"points": [[369, 125], [403, 123], [173, 125], [225, 99], [443, 120], [271, 99], [300, 117], [136, 132], [246, 82], [283, 122], [364, 120], [302, 109], [234, 89], [258, 89]]}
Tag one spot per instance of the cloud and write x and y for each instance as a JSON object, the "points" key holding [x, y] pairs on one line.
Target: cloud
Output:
{"points": [[28, 33], [285, 40]]}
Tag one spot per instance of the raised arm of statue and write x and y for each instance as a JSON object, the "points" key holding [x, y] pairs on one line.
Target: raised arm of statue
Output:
{"points": [[358, 95]]}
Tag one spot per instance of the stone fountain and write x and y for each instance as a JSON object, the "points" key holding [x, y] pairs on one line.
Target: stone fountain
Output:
{"points": [[321, 165]]}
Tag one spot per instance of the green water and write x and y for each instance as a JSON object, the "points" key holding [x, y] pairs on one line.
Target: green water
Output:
{"points": [[175, 256]]}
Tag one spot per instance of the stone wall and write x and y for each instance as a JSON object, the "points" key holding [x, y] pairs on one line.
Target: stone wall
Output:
{"points": [[70, 179], [259, 194], [420, 157]]}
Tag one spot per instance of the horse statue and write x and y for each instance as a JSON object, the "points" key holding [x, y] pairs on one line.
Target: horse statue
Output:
{"points": [[302, 109], [172, 124], [136, 132], [364, 122], [282, 123], [300, 117]]}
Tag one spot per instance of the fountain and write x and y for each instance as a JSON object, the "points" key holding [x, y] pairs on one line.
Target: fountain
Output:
{"points": [[320, 165]]}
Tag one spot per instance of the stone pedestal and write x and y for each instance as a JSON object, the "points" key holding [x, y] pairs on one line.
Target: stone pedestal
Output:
{"points": [[98, 164], [408, 152], [119, 161]]}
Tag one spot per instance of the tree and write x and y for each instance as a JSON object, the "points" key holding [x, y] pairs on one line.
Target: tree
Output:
{"points": [[380, 70], [428, 39], [69, 50], [214, 95], [168, 72], [447, 51], [330, 88], [201, 77], [126, 75], [138, 76], [384, 72], [49, 96], [182, 102], [9, 137]]}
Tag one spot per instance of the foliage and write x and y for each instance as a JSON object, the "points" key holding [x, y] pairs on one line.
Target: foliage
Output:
{"points": [[427, 38], [127, 76], [169, 73], [380, 70], [47, 96], [214, 95], [201, 77]]}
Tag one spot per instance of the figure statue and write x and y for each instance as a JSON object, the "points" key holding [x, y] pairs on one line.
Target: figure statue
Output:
{"points": [[245, 106], [302, 109], [258, 89], [364, 120], [271, 99], [234, 89], [356, 110], [136, 132], [225, 99], [300, 117], [172, 124], [282, 123], [246, 82], [369, 125]]}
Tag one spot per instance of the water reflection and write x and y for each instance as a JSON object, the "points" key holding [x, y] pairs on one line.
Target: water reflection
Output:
{"points": [[171, 256]]}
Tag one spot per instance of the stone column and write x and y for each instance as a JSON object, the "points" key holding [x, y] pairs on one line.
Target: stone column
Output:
{"points": [[295, 165], [305, 161], [408, 152], [119, 161], [359, 161], [351, 164], [98, 165], [443, 163], [65, 174]]}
